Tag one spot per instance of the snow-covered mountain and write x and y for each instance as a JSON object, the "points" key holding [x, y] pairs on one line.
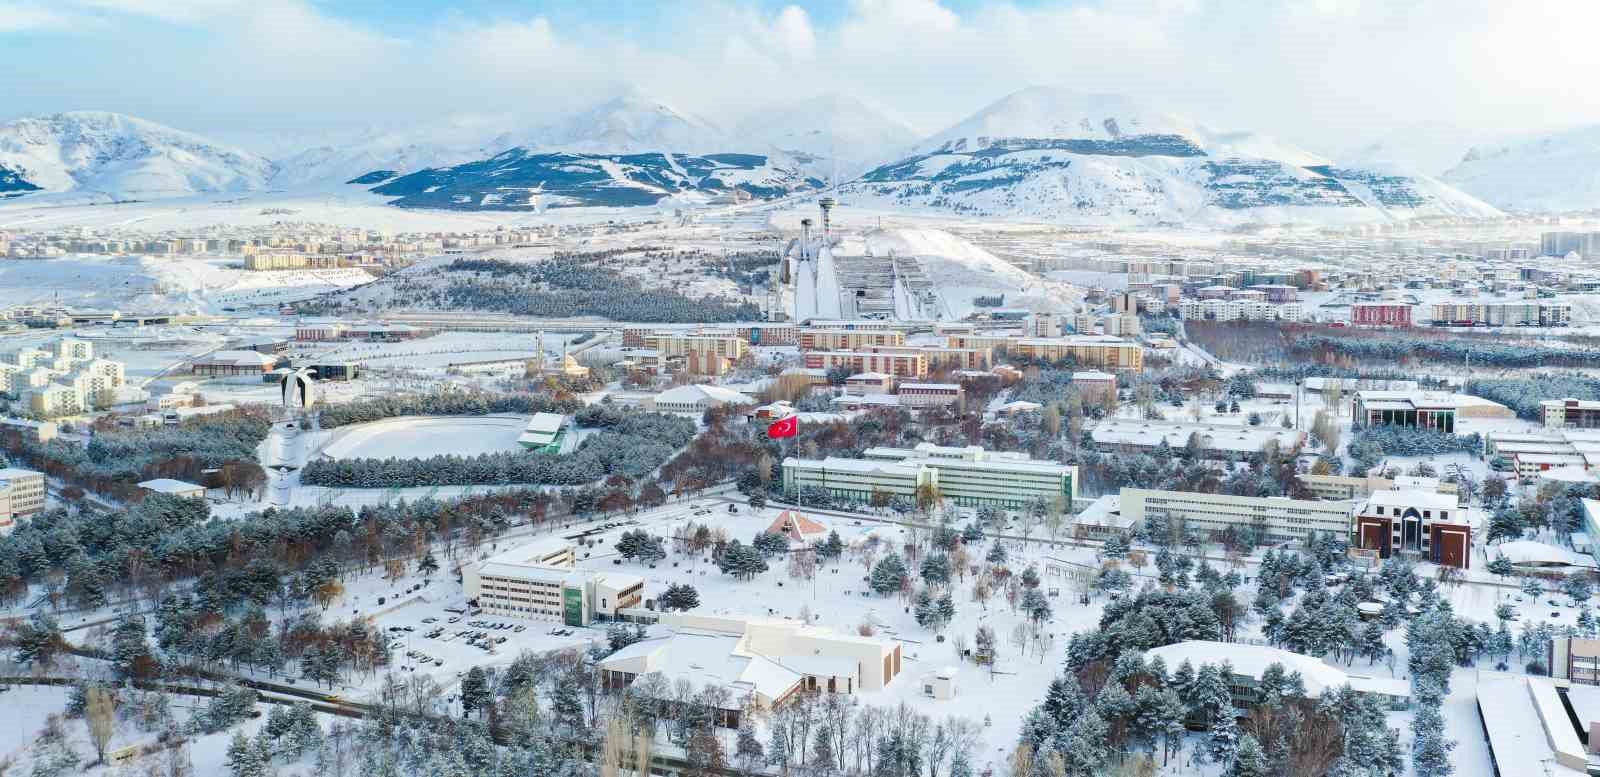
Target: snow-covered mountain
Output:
{"points": [[628, 124], [826, 128], [1057, 155], [89, 151], [1554, 172], [369, 152], [526, 179], [1428, 148]]}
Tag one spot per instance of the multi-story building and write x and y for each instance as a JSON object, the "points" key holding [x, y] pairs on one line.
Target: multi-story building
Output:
{"points": [[1534, 314], [540, 582], [1094, 386], [939, 357], [1278, 520], [1423, 410], [919, 395], [967, 476], [54, 400], [900, 365], [848, 339], [24, 492], [1570, 413], [1427, 524], [863, 383], [1098, 352], [1395, 314], [74, 349], [33, 431], [1239, 310], [1348, 487]]}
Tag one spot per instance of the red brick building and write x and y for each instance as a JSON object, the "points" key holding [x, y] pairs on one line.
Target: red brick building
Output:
{"points": [[1380, 314]]}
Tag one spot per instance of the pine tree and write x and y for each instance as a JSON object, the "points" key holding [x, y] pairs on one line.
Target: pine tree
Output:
{"points": [[428, 565], [830, 548], [1430, 750], [1223, 742], [1251, 760], [997, 554], [888, 575], [474, 691], [244, 760]]}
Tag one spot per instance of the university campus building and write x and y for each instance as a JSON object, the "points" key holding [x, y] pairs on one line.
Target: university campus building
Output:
{"points": [[968, 476]]}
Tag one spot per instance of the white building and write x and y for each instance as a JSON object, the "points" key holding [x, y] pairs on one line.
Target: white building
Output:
{"points": [[54, 400], [22, 495], [1279, 519], [764, 660], [1239, 310], [967, 476], [539, 581], [172, 487], [1250, 662], [696, 399]]}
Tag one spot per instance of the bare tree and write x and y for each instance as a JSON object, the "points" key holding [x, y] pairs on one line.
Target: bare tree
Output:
{"points": [[100, 715]]}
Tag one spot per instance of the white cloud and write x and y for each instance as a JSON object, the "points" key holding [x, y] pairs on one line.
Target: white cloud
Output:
{"points": [[1325, 73], [28, 17]]}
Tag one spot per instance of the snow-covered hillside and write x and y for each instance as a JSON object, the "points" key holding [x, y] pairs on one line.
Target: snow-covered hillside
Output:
{"points": [[1056, 155], [1430, 148], [1554, 172], [826, 128], [525, 179], [140, 284], [627, 125], [958, 270], [120, 156], [342, 158]]}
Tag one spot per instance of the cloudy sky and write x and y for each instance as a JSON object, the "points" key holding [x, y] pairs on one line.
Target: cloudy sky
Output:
{"points": [[1327, 74]]}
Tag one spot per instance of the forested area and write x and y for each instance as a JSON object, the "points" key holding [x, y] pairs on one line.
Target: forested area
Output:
{"points": [[116, 459], [1523, 395], [623, 442], [568, 285], [443, 403], [1371, 443]]}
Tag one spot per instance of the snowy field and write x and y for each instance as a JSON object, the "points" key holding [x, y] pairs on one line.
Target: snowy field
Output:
{"points": [[147, 284], [421, 436]]}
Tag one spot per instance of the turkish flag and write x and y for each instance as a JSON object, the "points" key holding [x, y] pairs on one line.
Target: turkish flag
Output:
{"points": [[788, 427]]}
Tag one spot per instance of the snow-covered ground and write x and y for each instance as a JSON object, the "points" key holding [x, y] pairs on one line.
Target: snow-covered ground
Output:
{"points": [[149, 284], [423, 436]]}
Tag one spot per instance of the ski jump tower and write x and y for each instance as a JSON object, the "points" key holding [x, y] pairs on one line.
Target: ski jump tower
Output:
{"points": [[816, 285]]}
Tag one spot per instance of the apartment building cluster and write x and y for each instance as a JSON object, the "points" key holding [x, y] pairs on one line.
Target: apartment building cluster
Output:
{"points": [[65, 380], [969, 476], [1099, 352], [1528, 313], [274, 247]]}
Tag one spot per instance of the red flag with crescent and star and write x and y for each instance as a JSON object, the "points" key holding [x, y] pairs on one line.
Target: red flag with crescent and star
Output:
{"points": [[787, 427]]}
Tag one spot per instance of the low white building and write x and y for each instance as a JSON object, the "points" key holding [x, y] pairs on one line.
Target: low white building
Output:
{"points": [[1250, 662], [764, 660], [172, 487], [696, 399]]}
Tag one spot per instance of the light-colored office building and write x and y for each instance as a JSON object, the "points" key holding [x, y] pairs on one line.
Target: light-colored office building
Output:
{"points": [[1281, 520], [967, 476], [539, 581], [26, 488]]}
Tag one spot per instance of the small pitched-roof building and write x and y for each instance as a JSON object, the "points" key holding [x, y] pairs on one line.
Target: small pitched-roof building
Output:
{"points": [[801, 531]]}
